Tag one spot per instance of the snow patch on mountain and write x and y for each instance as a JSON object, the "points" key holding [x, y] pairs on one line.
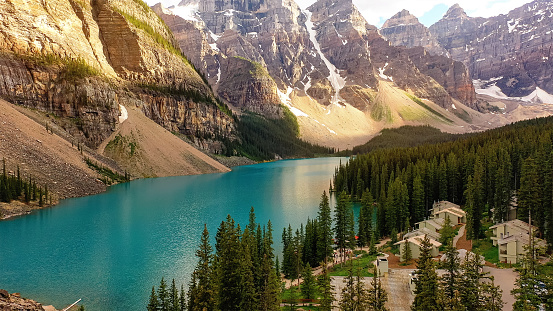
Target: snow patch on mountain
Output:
{"points": [[335, 79], [538, 96]]}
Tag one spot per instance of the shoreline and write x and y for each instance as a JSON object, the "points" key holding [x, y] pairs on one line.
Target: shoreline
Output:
{"points": [[17, 208]]}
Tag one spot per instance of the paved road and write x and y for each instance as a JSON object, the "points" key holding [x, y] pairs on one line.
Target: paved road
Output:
{"points": [[505, 278]]}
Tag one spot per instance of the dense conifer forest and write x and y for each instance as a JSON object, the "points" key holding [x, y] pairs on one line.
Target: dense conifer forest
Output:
{"points": [[264, 138], [486, 173]]}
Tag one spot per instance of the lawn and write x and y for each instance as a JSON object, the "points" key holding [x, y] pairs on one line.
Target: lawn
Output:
{"points": [[363, 261]]}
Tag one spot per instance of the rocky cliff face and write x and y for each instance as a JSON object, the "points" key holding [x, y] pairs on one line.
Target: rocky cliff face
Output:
{"points": [[508, 55], [82, 59], [325, 56], [405, 29], [513, 49]]}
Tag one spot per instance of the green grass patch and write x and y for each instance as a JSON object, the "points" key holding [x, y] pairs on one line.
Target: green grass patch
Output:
{"points": [[485, 248], [364, 262], [425, 106], [71, 69]]}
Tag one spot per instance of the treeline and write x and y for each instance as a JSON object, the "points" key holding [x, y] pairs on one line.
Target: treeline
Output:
{"points": [[240, 275], [404, 136], [15, 187], [485, 172], [264, 138]]}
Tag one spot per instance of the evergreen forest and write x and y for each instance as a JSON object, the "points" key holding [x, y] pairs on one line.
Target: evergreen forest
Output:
{"points": [[13, 186], [487, 174]]}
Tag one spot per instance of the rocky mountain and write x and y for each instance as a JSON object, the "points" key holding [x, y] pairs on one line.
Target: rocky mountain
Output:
{"points": [[327, 65], [405, 29], [82, 62], [508, 56]]}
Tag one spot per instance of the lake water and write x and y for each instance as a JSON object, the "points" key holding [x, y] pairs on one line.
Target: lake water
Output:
{"points": [[110, 249]]}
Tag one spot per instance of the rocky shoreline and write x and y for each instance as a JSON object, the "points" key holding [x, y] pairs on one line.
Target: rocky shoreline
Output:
{"points": [[12, 302], [17, 208]]}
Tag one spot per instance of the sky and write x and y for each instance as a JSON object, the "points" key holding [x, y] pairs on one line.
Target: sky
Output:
{"points": [[427, 11]]}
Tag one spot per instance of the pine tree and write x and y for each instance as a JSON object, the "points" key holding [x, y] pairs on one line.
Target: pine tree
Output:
{"points": [[377, 296], [228, 257], [475, 200], [348, 297], [365, 219], [175, 303], [326, 288], [308, 288], [426, 284], [324, 221], [203, 295], [153, 305], [529, 194], [476, 288], [407, 254], [247, 282], [447, 233], [163, 296], [182, 299], [450, 279], [372, 245], [343, 228], [529, 292]]}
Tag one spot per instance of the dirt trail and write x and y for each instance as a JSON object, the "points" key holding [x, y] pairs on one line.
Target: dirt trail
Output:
{"points": [[396, 283]]}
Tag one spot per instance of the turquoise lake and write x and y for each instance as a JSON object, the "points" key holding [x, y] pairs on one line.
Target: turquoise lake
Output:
{"points": [[110, 249]]}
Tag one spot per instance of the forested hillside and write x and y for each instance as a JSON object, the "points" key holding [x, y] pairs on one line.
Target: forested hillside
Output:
{"points": [[486, 173]]}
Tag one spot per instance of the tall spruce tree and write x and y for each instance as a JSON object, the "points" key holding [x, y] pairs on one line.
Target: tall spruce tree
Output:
{"points": [[377, 295], [324, 231], [309, 286], [426, 284], [475, 200], [228, 260], [204, 293], [153, 304], [344, 226], [365, 219], [326, 288]]}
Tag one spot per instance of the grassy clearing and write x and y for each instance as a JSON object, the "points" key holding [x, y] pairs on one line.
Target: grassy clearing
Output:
{"points": [[364, 262], [485, 246]]}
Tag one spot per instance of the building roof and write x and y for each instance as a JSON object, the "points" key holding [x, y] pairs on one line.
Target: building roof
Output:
{"points": [[441, 205], [422, 231], [452, 210], [417, 240], [521, 237], [517, 223], [437, 223]]}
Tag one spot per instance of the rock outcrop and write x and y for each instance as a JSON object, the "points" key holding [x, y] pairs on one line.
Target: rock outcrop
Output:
{"points": [[509, 52], [325, 56], [13, 302], [405, 29], [81, 59]]}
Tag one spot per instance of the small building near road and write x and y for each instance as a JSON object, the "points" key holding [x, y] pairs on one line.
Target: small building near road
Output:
{"points": [[509, 228], [415, 245], [512, 248], [382, 266], [512, 237]]}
